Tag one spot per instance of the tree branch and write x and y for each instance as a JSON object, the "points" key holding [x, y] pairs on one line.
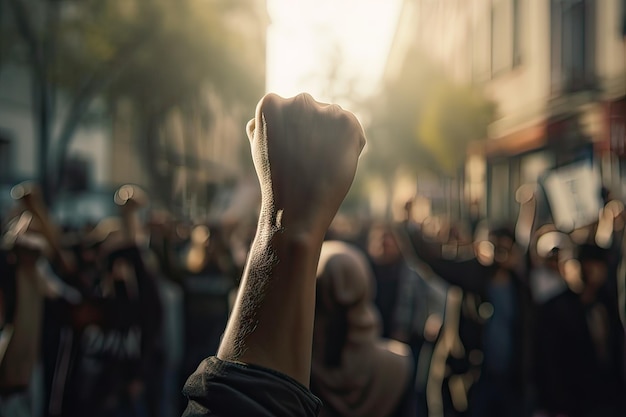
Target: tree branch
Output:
{"points": [[26, 30], [95, 84]]}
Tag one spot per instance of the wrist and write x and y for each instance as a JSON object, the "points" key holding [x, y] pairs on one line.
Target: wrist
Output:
{"points": [[293, 227], [279, 278]]}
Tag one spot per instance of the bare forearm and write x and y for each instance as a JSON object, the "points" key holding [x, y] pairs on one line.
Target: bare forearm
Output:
{"points": [[305, 154], [22, 350], [272, 320]]}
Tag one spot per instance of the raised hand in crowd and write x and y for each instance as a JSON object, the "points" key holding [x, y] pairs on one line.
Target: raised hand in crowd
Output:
{"points": [[305, 154], [21, 304]]}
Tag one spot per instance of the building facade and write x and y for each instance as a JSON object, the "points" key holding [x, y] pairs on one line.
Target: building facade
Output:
{"points": [[556, 70]]}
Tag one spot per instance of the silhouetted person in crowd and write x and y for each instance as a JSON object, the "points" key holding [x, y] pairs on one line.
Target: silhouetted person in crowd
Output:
{"points": [[102, 346], [493, 324], [21, 314], [209, 279], [578, 340], [305, 154], [410, 306], [355, 372], [503, 379], [389, 270], [605, 330]]}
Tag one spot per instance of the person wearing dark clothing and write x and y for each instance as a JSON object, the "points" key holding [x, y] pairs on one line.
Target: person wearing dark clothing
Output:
{"points": [[112, 341], [21, 313], [411, 299], [495, 321], [579, 344], [209, 278], [502, 387], [104, 350], [388, 267], [305, 154]]}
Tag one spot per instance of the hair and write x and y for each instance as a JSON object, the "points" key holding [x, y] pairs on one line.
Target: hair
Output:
{"points": [[500, 231], [590, 252]]}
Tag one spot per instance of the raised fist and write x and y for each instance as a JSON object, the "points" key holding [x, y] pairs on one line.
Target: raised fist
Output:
{"points": [[305, 154], [130, 196]]}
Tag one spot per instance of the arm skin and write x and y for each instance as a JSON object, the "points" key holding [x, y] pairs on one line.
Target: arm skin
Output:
{"points": [[305, 154], [22, 350]]}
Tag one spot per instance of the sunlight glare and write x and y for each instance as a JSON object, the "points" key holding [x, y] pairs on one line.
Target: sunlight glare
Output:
{"points": [[307, 38]]}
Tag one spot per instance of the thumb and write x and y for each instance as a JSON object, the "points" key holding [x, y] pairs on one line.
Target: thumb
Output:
{"points": [[250, 128]]}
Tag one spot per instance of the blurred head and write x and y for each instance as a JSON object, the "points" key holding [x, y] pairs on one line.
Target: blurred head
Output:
{"points": [[122, 270], [120, 279], [593, 266], [382, 246], [345, 269], [504, 247]]}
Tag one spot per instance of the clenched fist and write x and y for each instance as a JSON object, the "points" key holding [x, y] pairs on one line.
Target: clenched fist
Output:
{"points": [[305, 154]]}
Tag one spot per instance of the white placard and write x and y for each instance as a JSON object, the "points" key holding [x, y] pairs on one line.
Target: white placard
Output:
{"points": [[574, 195]]}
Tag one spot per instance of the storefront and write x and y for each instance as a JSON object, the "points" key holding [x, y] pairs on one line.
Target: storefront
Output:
{"points": [[526, 155], [612, 149]]}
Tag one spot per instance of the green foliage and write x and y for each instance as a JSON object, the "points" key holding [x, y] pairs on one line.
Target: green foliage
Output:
{"points": [[424, 121], [455, 116], [159, 54], [160, 51]]}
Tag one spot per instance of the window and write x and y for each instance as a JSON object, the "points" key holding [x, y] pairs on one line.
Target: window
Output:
{"points": [[5, 160], [481, 59], [496, 39], [623, 15], [572, 45], [75, 176], [534, 165], [499, 190], [517, 33], [502, 36]]}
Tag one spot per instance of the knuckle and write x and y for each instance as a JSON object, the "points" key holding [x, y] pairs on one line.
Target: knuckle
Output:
{"points": [[335, 109], [304, 99], [304, 96], [270, 99], [362, 142]]}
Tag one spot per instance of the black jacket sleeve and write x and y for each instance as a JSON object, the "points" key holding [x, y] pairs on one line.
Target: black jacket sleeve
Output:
{"points": [[228, 389]]}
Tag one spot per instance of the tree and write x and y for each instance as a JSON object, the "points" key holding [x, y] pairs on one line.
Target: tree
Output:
{"points": [[155, 53], [422, 120], [455, 116], [421, 123]]}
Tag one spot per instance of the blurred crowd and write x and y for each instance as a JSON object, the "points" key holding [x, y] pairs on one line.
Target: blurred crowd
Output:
{"points": [[494, 319]]}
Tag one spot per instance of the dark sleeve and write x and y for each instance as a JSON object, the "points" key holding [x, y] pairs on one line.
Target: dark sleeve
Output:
{"points": [[227, 389], [149, 298], [469, 275], [8, 287]]}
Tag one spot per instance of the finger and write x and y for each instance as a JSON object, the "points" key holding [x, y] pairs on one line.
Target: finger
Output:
{"points": [[305, 99], [123, 195], [250, 127], [362, 142], [331, 107], [353, 120], [268, 103]]}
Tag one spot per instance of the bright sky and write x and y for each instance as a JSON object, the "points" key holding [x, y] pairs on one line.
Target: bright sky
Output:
{"points": [[307, 36]]}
